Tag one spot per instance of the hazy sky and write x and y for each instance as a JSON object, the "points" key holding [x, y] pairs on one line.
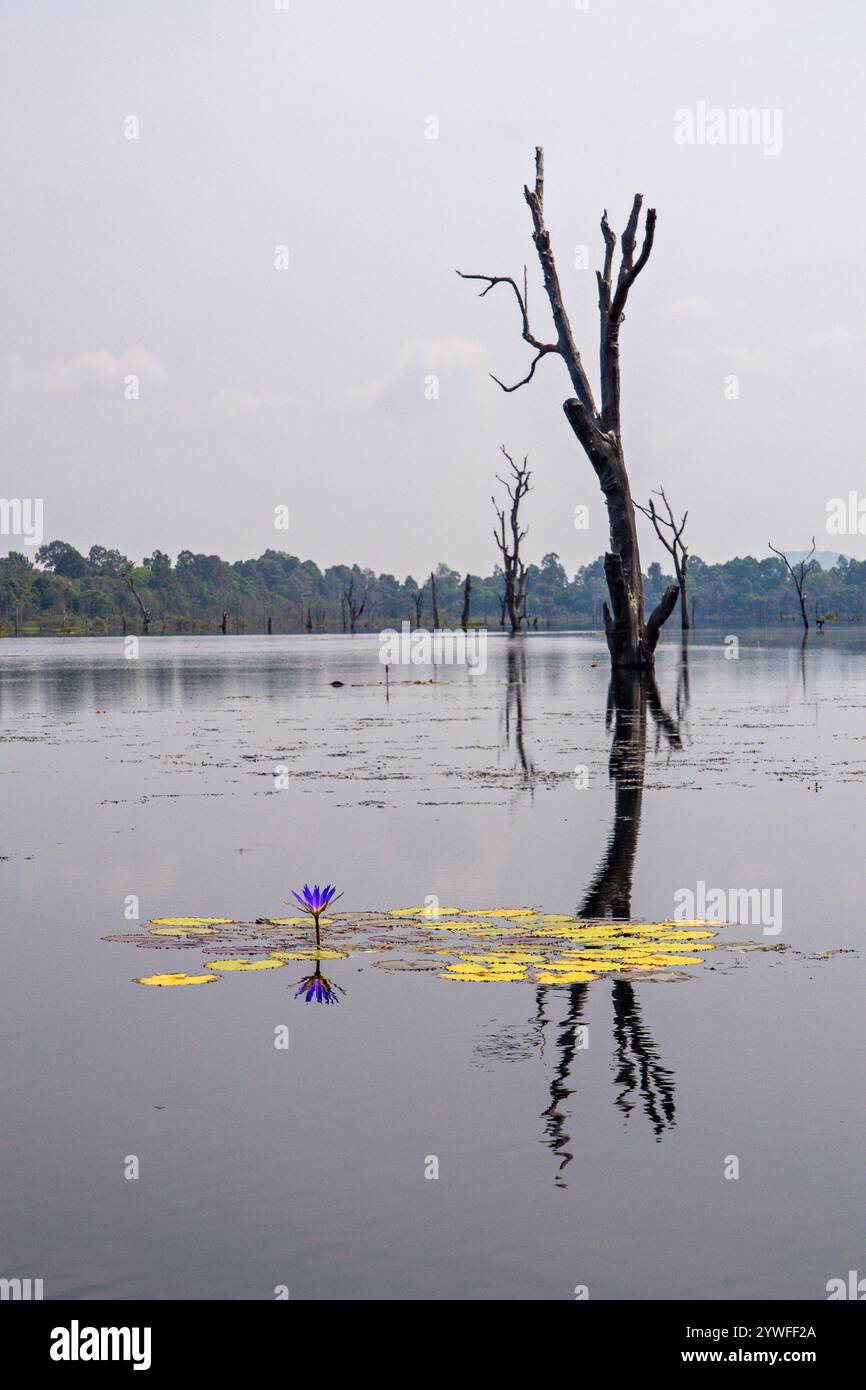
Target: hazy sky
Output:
{"points": [[307, 127]]}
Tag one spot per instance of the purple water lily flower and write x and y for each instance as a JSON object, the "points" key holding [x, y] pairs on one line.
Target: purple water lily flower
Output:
{"points": [[314, 900], [316, 989]]}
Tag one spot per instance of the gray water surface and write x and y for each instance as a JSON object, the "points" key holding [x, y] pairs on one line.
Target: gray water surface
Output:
{"points": [[559, 1165]]}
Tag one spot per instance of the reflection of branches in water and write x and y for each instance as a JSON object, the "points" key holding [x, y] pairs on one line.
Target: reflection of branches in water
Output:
{"points": [[684, 693], [566, 1043], [666, 726], [515, 698], [639, 1064], [609, 893], [639, 1072], [629, 696]]}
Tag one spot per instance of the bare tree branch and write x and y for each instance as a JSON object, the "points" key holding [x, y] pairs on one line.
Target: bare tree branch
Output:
{"points": [[354, 606], [541, 349], [598, 430], [514, 569], [127, 577], [805, 567]]}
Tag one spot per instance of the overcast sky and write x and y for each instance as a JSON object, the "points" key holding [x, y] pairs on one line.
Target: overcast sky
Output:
{"points": [[308, 127]]}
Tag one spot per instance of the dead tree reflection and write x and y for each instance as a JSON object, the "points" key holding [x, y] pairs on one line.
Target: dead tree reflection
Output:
{"points": [[640, 1077], [515, 705]]}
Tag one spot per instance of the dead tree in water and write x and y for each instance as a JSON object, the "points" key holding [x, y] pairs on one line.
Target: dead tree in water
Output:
{"points": [[514, 570], [804, 567], [434, 605], [671, 537], [631, 638], [418, 604], [354, 606], [129, 581], [467, 603]]}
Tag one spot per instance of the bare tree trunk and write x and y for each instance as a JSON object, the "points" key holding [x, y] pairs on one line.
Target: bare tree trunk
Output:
{"points": [[467, 603], [805, 567], [353, 607], [128, 580], [433, 602], [684, 593], [631, 638], [514, 570]]}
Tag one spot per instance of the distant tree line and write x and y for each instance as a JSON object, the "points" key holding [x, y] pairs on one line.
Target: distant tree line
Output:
{"points": [[64, 591]]}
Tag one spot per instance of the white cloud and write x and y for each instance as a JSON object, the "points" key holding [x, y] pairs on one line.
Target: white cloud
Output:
{"points": [[232, 402], [694, 307], [87, 373], [835, 335], [419, 358]]}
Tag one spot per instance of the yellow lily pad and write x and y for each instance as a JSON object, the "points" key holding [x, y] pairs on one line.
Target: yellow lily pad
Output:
{"points": [[185, 931], [309, 953], [573, 977], [191, 921], [483, 977], [244, 964], [179, 977], [420, 911]]}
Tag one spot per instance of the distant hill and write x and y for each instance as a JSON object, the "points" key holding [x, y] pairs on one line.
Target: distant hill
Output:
{"points": [[827, 559]]}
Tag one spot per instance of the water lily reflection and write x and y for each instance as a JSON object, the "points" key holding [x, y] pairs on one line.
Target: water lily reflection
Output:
{"points": [[316, 989]]}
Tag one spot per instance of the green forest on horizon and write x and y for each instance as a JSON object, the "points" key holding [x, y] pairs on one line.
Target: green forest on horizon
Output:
{"points": [[66, 592]]}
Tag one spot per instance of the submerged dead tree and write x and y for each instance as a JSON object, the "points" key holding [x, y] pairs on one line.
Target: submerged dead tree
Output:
{"points": [[799, 574], [671, 536], [354, 606], [631, 637], [129, 581], [433, 604], [467, 603], [418, 604], [508, 538]]}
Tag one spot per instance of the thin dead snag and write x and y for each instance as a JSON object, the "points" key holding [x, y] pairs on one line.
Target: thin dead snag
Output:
{"points": [[804, 567], [631, 637], [127, 577], [467, 603], [418, 604], [509, 537], [353, 605], [671, 536], [433, 603]]}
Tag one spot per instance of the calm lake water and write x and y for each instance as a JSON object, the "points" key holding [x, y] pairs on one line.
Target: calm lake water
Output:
{"points": [[559, 1164]]}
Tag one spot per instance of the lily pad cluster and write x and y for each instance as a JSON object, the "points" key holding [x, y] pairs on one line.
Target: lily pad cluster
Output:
{"points": [[468, 945], [520, 944]]}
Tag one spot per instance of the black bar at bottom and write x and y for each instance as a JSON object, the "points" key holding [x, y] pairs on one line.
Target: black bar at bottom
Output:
{"points": [[66, 1338]]}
